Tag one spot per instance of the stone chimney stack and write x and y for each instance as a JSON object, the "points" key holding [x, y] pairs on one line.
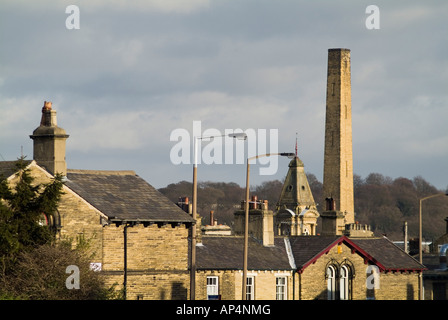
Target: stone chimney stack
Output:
{"points": [[261, 221], [49, 142], [338, 158]]}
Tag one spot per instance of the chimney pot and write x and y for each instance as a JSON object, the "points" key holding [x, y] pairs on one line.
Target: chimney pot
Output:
{"points": [[47, 105], [212, 221], [265, 205], [254, 202]]}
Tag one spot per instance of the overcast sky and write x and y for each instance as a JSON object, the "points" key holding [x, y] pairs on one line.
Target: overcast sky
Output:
{"points": [[137, 70]]}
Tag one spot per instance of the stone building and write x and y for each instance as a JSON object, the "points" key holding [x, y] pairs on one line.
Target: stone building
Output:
{"points": [[306, 268], [296, 211], [139, 238], [220, 263], [353, 265]]}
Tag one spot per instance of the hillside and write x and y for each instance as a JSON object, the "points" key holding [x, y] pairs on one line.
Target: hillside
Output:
{"points": [[380, 201]]}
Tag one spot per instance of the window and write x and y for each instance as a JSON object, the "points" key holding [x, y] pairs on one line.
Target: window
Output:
{"points": [[250, 288], [339, 280], [344, 283], [280, 288], [43, 220], [212, 286], [331, 283]]}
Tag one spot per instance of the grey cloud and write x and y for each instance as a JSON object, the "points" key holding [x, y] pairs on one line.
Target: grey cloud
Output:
{"points": [[230, 64]]}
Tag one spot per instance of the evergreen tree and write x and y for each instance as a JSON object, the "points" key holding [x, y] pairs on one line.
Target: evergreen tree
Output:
{"points": [[32, 264], [22, 209]]}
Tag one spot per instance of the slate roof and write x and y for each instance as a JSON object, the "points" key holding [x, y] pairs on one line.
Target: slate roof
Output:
{"points": [[306, 249], [226, 253], [124, 196], [8, 168], [379, 251], [387, 254]]}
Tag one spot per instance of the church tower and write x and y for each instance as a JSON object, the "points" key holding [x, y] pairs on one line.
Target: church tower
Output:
{"points": [[49, 142], [338, 158]]}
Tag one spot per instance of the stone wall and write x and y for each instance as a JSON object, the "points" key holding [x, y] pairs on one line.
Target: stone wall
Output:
{"points": [[157, 260], [230, 283]]}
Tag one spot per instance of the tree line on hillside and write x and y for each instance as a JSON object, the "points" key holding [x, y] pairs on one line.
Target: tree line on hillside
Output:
{"points": [[380, 201]]}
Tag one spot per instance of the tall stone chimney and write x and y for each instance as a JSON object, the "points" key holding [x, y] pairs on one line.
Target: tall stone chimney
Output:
{"points": [[338, 157], [49, 142]]}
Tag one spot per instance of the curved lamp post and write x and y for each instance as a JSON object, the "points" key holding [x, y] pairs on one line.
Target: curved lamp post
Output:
{"points": [[246, 215], [240, 136]]}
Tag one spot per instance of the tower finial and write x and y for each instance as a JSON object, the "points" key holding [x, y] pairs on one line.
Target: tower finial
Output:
{"points": [[296, 143]]}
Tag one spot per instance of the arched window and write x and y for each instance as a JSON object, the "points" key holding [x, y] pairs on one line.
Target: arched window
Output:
{"points": [[43, 220], [331, 282], [344, 283], [52, 221]]}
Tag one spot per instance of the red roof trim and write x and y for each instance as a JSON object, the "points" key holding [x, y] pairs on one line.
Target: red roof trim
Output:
{"points": [[352, 246]]}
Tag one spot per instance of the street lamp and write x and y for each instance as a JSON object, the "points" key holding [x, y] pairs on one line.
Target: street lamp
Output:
{"points": [[420, 249], [239, 136], [246, 215]]}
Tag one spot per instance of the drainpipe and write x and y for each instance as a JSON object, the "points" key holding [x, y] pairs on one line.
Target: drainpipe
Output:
{"points": [[125, 261]]}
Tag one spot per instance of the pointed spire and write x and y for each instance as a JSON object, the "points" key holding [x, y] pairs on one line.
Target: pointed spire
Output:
{"points": [[296, 210]]}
